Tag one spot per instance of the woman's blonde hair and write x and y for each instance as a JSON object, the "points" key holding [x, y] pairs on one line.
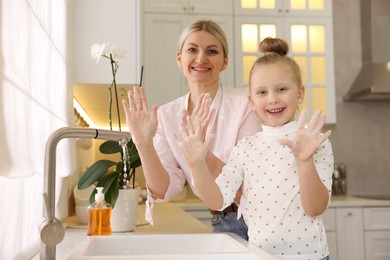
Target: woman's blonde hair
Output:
{"points": [[207, 26], [275, 51]]}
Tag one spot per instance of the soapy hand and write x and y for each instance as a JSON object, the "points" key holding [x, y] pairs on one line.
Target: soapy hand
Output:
{"points": [[142, 123], [194, 145], [201, 114], [307, 140]]}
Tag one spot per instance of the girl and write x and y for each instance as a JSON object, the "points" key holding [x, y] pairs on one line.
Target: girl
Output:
{"points": [[286, 170]]}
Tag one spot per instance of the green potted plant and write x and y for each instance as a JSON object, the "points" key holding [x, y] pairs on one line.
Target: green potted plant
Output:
{"points": [[112, 176]]}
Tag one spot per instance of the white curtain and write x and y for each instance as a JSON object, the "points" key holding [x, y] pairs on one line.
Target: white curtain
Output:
{"points": [[35, 100]]}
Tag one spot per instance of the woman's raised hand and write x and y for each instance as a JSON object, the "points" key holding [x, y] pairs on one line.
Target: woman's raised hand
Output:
{"points": [[142, 123], [308, 139]]}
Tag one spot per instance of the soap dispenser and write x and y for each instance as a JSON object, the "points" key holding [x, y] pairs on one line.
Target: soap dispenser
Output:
{"points": [[99, 214]]}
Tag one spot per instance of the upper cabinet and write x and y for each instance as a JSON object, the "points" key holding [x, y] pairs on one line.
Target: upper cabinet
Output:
{"points": [[162, 24], [213, 7], [306, 25], [284, 7]]}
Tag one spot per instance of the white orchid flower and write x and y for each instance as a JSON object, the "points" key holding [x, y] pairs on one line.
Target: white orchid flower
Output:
{"points": [[97, 51], [112, 49]]}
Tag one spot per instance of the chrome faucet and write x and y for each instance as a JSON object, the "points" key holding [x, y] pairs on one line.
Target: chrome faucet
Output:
{"points": [[52, 230]]}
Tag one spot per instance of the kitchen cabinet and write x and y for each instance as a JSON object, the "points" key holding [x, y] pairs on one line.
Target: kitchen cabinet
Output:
{"points": [[285, 7], [377, 233], [163, 22], [212, 7], [307, 28], [359, 233], [329, 219], [350, 235]]}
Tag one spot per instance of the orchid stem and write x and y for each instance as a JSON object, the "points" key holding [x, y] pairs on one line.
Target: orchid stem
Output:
{"points": [[115, 89]]}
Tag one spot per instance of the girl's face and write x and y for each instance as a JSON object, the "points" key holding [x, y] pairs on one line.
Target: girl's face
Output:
{"points": [[274, 95], [201, 59]]}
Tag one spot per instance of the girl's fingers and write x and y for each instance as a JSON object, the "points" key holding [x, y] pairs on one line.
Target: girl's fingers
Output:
{"points": [[314, 120], [301, 119], [183, 125], [198, 105]]}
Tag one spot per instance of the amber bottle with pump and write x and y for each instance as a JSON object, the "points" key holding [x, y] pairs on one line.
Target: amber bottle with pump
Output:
{"points": [[99, 215]]}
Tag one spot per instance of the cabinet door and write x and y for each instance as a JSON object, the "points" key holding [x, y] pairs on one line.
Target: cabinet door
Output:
{"points": [[249, 31], [377, 245], [376, 218], [350, 236], [188, 6], [165, 6], [329, 218], [284, 7], [213, 7], [163, 79], [311, 45], [377, 232]]}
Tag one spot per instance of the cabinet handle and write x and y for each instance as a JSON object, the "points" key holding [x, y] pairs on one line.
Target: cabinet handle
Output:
{"points": [[192, 8], [280, 10], [287, 10], [185, 8], [349, 214]]}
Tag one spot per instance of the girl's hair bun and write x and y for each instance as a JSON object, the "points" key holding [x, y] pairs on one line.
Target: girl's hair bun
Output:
{"points": [[273, 45]]}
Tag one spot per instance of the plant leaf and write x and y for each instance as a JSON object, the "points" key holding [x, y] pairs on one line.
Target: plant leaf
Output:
{"points": [[110, 147], [113, 192], [94, 173], [110, 185]]}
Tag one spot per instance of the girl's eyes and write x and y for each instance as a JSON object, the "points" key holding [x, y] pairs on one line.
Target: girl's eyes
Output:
{"points": [[261, 92], [264, 92]]}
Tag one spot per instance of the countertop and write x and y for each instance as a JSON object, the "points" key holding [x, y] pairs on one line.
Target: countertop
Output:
{"points": [[336, 201], [169, 218], [172, 218]]}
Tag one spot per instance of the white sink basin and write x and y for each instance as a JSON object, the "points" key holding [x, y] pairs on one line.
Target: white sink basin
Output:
{"points": [[213, 246]]}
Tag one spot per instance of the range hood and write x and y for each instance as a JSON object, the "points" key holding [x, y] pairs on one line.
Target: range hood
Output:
{"points": [[373, 80]]}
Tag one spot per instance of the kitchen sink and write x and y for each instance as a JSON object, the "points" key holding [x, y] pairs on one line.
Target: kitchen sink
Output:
{"points": [[213, 246]]}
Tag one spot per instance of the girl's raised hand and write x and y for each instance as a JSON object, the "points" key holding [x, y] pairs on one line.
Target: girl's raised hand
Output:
{"points": [[142, 123], [202, 113], [194, 144], [308, 139]]}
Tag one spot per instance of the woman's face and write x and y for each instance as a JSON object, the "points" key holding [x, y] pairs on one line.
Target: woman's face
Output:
{"points": [[274, 95], [201, 59]]}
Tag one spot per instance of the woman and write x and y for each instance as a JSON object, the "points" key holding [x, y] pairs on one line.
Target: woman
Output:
{"points": [[202, 55]]}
